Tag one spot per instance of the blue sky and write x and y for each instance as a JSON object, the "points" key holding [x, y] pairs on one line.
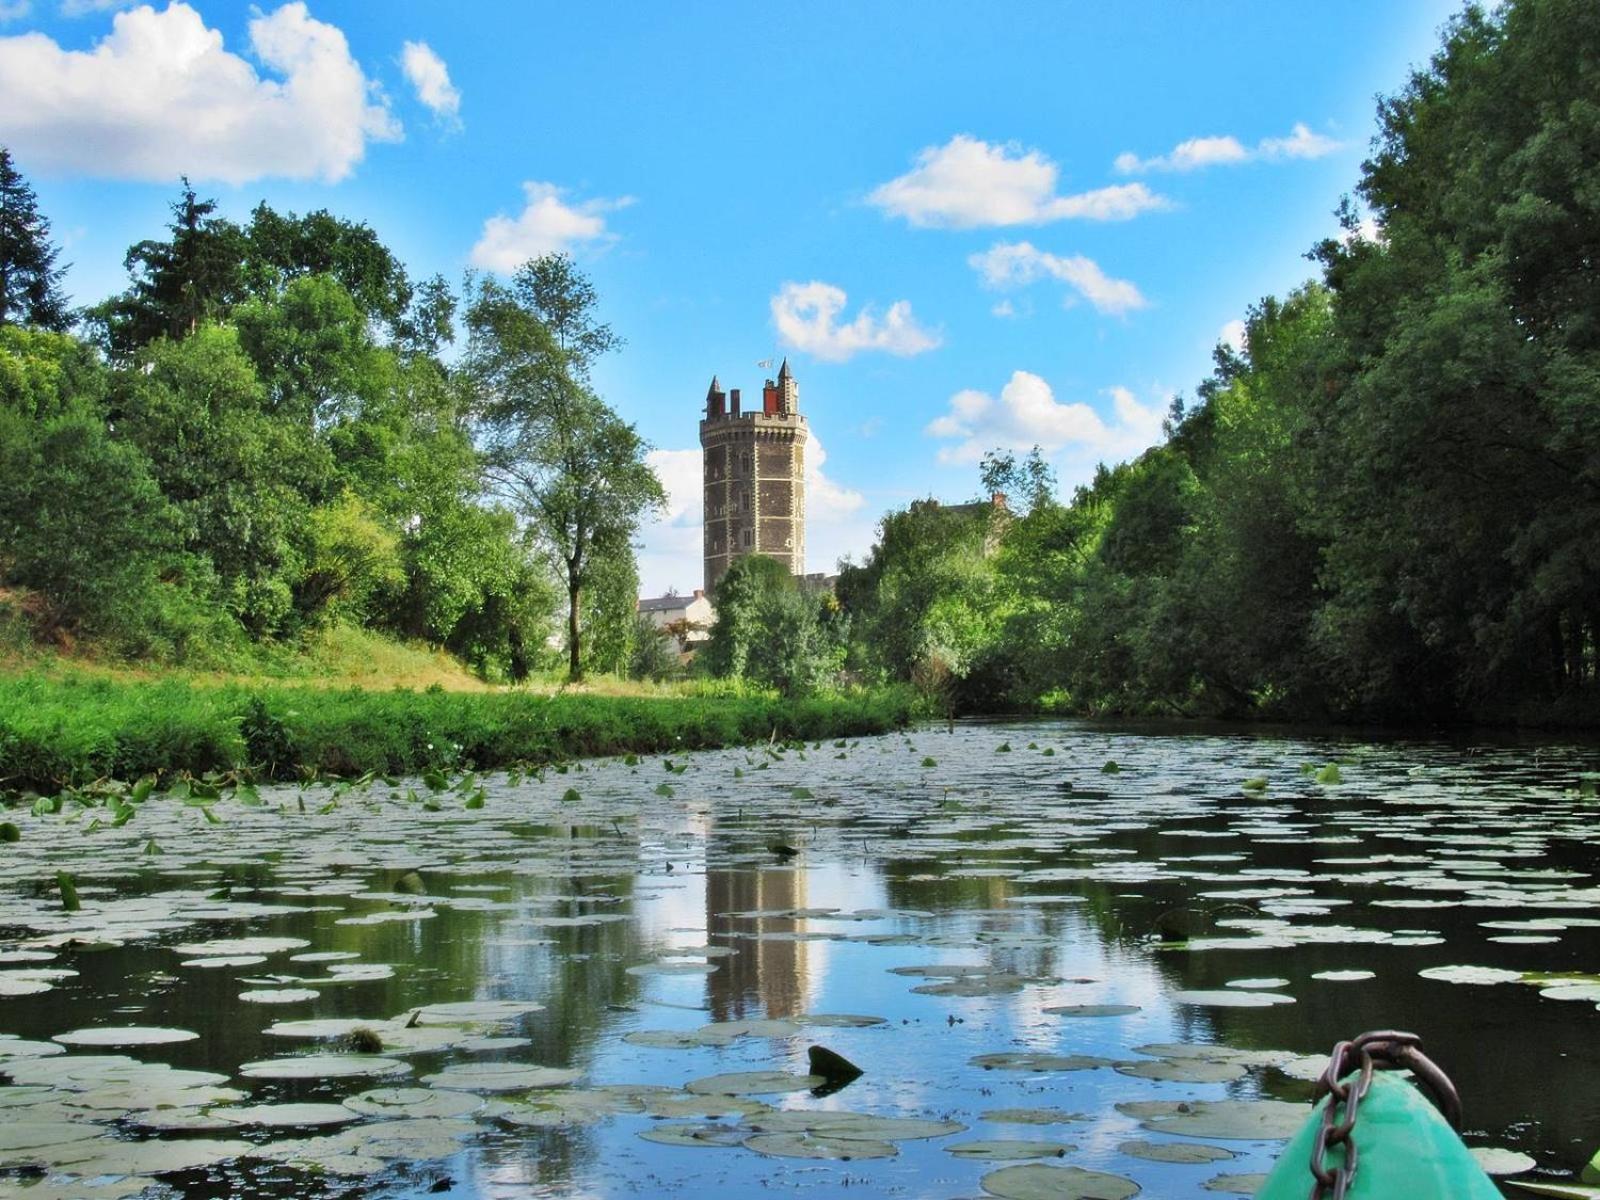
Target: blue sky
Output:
{"points": [[966, 225]]}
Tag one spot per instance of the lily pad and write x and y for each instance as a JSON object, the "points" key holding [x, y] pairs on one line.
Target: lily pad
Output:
{"points": [[752, 1083], [499, 1077], [178, 1120], [124, 1035], [1038, 1061], [673, 968], [160, 1156], [32, 1135], [1496, 1160], [1471, 975], [1092, 1010], [846, 1124], [229, 947], [286, 1116], [1035, 1181], [1008, 1149], [1032, 1116], [323, 1066], [818, 1146], [1186, 1070], [563, 1107], [470, 1012], [412, 1102], [840, 1020], [1226, 998], [278, 995], [1175, 1152], [701, 1136], [1229, 1120], [1235, 1185], [676, 1039]]}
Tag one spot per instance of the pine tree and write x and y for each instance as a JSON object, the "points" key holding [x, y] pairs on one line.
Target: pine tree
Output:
{"points": [[29, 279]]}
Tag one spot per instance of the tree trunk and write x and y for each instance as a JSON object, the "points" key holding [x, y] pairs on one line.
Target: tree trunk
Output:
{"points": [[574, 653], [519, 654]]}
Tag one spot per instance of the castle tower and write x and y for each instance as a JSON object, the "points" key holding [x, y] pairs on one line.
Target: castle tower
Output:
{"points": [[754, 468]]}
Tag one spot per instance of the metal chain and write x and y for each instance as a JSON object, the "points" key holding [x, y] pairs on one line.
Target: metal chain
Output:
{"points": [[1385, 1050]]}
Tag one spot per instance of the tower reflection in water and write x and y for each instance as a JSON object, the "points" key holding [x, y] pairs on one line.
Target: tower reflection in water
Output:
{"points": [[766, 975]]}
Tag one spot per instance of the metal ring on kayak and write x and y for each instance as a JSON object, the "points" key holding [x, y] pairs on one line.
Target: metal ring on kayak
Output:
{"points": [[1381, 1050]]}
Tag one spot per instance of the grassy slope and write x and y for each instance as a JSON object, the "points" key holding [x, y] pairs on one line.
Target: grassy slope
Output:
{"points": [[358, 703]]}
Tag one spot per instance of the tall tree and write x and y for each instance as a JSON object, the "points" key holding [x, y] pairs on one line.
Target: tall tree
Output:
{"points": [[30, 292], [282, 248], [570, 467], [194, 275]]}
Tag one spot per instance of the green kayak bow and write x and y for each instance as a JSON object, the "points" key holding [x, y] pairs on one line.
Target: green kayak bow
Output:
{"points": [[1373, 1136]]}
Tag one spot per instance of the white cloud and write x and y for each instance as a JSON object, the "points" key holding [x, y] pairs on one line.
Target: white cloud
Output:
{"points": [[431, 79], [968, 183], [1017, 264], [1228, 151], [672, 553], [1027, 414], [546, 225], [160, 96], [79, 8], [826, 499], [1235, 334], [806, 316], [11, 10], [1301, 143]]}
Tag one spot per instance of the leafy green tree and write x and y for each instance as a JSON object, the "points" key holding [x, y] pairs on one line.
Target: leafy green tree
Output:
{"points": [[30, 281], [655, 652], [1027, 485], [926, 603], [283, 248], [313, 352], [769, 629], [350, 556], [611, 624], [43, 374], [243, 481], [567, 464], [81, 522]]}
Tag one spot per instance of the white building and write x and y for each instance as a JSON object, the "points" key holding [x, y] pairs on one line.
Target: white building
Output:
{"points": [[687, 618]]}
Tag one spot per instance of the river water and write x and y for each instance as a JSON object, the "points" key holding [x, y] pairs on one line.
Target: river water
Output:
{"points": [[1036, 939]]}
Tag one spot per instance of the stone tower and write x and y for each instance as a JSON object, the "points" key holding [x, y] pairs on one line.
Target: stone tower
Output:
{"points": [[754, 472]]}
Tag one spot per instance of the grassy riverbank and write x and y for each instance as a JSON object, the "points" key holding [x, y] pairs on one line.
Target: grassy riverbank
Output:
{"points": [[59, 728]]}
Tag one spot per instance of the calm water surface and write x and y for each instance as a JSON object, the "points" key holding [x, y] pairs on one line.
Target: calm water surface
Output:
{"points": [[952, 884]]}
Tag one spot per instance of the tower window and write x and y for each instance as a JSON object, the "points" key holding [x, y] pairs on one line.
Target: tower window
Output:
{"points": [[744, 539], [744, 501], [744, 463]]}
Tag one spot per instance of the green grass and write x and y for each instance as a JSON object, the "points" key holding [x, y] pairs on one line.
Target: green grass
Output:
{"points": [[64, 728], [338, 656]]}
